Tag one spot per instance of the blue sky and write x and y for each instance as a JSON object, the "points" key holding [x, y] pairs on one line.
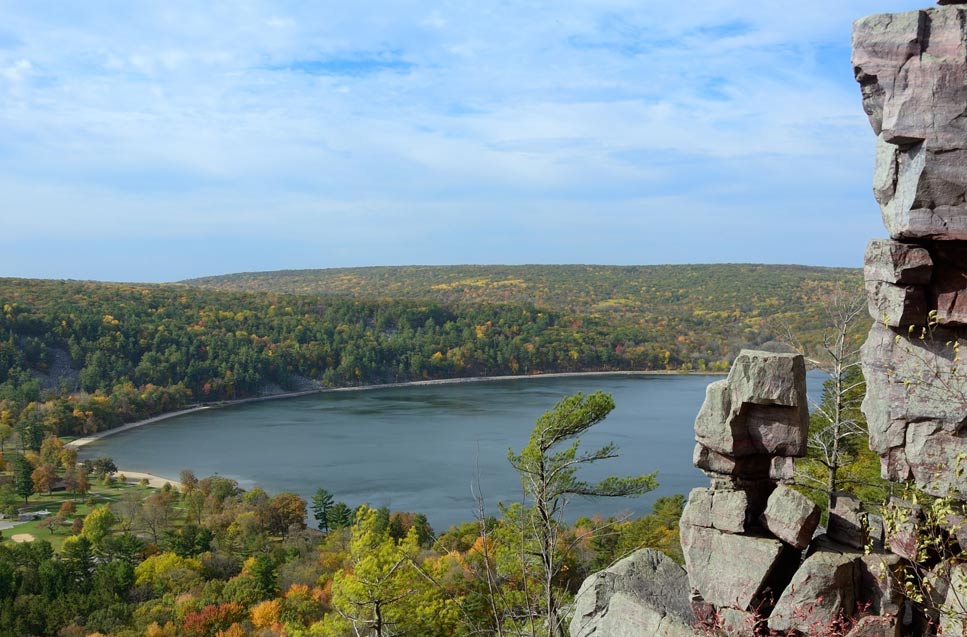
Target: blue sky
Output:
{"points": [[155, 141]]}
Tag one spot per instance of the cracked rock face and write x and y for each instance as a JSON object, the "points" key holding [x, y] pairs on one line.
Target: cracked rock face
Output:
{"points": [[756, 414], [916, 407], [916, 283], [644, 594], [910, 67], [823, 589]]}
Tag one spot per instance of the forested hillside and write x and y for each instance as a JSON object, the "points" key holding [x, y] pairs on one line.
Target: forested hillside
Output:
{"points": [[77, 357], [695, 311]]}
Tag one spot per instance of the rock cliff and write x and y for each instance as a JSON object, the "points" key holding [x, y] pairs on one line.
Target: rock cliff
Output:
{"points": [[755, 563], [912, 69]]}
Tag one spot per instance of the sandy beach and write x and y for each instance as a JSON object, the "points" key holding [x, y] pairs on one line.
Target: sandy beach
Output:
{"points": [[154, 481]]}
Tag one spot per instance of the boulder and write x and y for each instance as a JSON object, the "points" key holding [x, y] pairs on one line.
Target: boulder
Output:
{"points": [[953, 618], [725, 510], [881, 583], [902, 533], [734, 571], [821, 592], [718, 464], [875, 626], [760, 409], [791, 517], [767, 378], [646, 593], [848, 522]]}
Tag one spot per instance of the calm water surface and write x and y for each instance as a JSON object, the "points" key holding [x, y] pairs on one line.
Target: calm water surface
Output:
{"points": [[422, 448]]}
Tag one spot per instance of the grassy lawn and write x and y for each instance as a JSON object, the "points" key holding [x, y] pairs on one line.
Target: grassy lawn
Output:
{"points": [[99, 494]]}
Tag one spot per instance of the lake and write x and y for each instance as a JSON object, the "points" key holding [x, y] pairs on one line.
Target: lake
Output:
{"points": [[423, 448]]}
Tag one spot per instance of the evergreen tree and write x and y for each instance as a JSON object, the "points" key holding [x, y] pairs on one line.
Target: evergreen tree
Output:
{"points": [[322, 504], [340, 516], [23, 483], [549, 478]]}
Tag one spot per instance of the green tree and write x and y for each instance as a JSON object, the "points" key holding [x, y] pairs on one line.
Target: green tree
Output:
{"points": [[5, 432], [23, 483], [383, 593], [98, 523], [549, 478], [322, 503], [340, 516]]}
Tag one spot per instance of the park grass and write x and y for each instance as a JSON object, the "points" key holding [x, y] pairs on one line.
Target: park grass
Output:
{"points": [[98, 495]]}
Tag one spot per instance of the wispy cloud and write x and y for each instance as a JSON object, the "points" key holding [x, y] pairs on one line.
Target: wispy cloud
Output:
{"points": [[620, 131]]}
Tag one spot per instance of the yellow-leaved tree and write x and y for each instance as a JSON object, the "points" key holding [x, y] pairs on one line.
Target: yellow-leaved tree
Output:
{"points": [[385, 591]]}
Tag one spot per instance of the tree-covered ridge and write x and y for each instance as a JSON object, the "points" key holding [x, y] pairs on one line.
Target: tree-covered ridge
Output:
{"points": [[696, 311], [586, 289], [83, 356], [120, 352]]}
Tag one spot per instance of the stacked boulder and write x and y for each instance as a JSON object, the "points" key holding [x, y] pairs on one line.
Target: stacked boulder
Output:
{"points": [[912, 69], [752, 559], [743, 535]]}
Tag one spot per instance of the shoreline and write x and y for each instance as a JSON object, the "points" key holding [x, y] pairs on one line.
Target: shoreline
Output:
{"points": [[154, 481], [86, 440]]}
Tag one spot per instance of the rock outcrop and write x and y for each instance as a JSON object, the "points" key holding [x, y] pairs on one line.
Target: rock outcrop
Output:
{"points": [[742, 537], [644, 594], [912, 70], [754, 562]]}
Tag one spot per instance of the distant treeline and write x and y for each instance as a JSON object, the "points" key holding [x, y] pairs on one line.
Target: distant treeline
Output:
{"points": [[694, 312], [78, 357]]}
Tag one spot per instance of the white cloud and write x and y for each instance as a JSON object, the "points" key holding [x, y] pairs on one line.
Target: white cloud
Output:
{"points": [[192, 118]]}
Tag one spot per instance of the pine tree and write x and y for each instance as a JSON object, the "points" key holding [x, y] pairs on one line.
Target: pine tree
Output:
{"points": [[23, 483], [321, 506], [549, 478]]}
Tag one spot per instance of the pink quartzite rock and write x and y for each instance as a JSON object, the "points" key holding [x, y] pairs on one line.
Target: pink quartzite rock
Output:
{"points": [[875, 626], [916, 406], [897, 263], [937, 458], [912, 73], [725, 510], [948, 289], [881, 583], [901, 536], [791, 517], [646, 593], [759, 412], [751, 467], [730, 570], [896, 305], [848, 522], [954, 621], [823, 589]]}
